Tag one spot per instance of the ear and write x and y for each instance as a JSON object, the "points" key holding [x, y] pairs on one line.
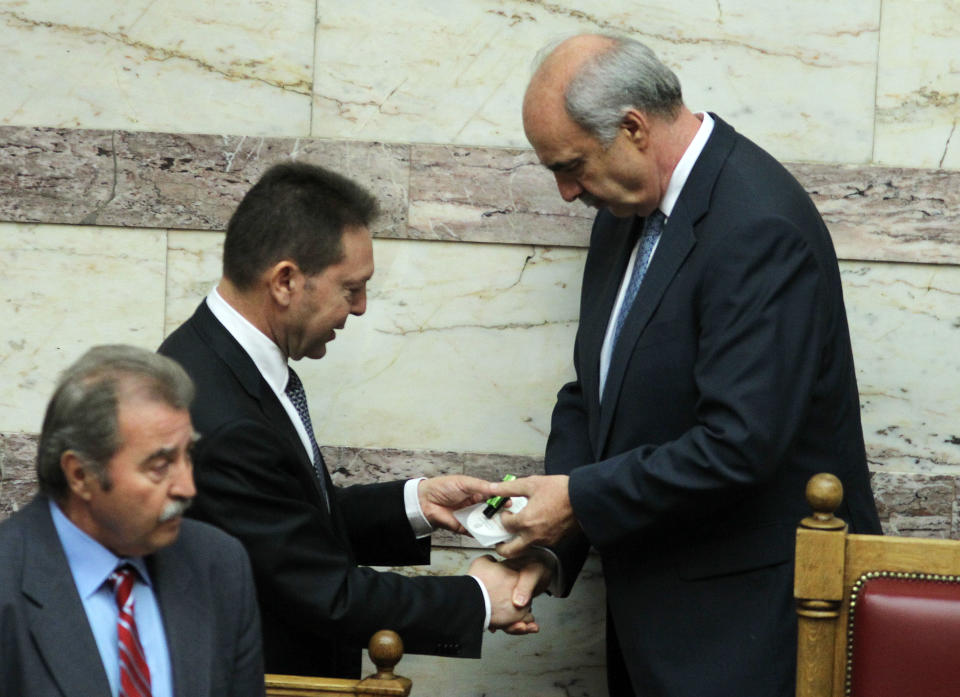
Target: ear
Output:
{"points": [[79, 480], [636, 126], [284, 280]]}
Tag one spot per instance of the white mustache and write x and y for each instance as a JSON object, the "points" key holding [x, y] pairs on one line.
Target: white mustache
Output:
{"points": [[175, 509]]}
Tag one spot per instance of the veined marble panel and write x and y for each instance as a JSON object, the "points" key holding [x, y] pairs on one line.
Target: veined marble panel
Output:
{"points": [[175, 181], [463, 347], [66, 289], [918, 84], [426, 192], [886, 213], [916, 505], [490, 195], [180, 65], [798, 78], [905, 327], [565, 658], [18, 477]]}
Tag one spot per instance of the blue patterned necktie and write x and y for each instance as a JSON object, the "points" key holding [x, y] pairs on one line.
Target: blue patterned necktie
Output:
{"points": [[298, 396], [651, 233]]}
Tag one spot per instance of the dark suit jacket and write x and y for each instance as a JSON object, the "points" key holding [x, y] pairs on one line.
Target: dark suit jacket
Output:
{"points": [[204, 589], [255, 480], [731, 384]]}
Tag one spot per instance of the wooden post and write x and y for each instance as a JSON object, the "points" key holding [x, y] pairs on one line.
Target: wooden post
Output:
{"points": [[818, 586], [386, 649]]}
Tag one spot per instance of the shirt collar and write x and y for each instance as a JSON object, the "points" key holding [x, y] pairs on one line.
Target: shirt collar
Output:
{"points": [[266, 355], [682, 171], [90, 562]]}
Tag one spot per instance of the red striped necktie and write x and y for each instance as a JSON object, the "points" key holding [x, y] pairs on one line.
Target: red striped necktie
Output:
{"points": [[134, 672]]}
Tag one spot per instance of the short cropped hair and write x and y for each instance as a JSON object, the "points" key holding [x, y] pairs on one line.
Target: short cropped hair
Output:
{"points": [[82, 415], [627, 75], [298, 212]]}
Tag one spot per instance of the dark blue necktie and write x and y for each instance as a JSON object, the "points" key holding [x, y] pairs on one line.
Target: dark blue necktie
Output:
{"points": [[298, 396], [651, 233]]}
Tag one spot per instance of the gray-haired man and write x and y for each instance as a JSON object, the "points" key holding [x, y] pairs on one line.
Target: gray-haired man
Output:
{"points": [[104, 589]]}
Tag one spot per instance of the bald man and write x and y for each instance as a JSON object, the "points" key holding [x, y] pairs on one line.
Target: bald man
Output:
{"points": [[714, 376]]}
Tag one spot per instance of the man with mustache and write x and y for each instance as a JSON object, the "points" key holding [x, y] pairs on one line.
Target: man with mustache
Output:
{"points": [[105, 590]]}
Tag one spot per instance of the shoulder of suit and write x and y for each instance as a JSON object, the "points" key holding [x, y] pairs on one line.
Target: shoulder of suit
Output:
{"points": [[196, 534]]}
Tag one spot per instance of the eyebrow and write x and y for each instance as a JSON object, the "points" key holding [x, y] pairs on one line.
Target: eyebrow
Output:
{"points": [[158, 454], [564, 165]]}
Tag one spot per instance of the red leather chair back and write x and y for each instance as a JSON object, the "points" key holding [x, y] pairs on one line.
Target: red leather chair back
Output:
{"points": [[905, 637]]}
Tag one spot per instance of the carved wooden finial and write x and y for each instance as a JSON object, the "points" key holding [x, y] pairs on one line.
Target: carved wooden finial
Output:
{"points": [[386, 650], [824, 494]]}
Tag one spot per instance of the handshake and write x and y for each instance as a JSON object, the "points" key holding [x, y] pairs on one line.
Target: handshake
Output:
{"points": [[527, 569]]}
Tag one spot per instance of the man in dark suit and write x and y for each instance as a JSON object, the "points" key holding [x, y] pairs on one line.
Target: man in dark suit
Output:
{"points": [[714, 376], [104, 589], [297, 257]]}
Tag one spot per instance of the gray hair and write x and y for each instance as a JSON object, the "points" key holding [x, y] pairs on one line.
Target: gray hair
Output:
{"points": [[82, 414], [626, 76]]}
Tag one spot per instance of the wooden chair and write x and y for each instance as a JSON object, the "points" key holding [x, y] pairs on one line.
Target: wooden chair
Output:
{"points": [[386, 650], [878, 616]]}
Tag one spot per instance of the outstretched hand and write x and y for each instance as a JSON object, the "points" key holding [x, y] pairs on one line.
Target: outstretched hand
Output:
{"points": [[547, 517], [441, 496], [501, 582]]}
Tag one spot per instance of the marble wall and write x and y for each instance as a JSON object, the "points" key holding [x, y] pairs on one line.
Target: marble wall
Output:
{"points": [[129, 129]]}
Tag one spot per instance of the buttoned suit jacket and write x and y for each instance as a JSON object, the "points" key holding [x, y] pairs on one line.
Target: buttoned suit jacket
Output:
{"points": [[255, 480], [203, 586], [731, 384]]}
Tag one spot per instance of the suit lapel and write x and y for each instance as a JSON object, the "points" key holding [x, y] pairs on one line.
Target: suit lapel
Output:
{"points": [[594, 324], [55, 613], [186, 620], [676, 242], [246, 372]]}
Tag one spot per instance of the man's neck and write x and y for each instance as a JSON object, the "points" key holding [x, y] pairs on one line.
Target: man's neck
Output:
{"points": [[251, 307], [674, 140]]}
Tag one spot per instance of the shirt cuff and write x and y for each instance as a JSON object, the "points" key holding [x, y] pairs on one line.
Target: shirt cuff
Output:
{"points": [[487, 613], [411, 503], [549, 558]]}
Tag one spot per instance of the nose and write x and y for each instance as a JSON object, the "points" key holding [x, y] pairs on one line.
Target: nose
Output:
{"points": [[359, 304], [182, 486], [569, 187]]}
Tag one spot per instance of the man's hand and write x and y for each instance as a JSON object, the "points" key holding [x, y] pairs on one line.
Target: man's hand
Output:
{"points": [[441, 496], [547, 517], [501, 582], [533, 577]]}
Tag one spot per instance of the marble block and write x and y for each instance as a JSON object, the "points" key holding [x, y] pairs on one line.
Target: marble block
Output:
{"points": [[918, 84], [490, 195], [566, 658], [462, 348], [426, 192], [797, 78], [915, 505], [905, 328], [18, 478], [180, 65], [66, 289], [886, 213]]}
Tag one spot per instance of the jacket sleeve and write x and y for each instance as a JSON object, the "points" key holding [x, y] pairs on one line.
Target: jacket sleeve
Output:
{"points": [[304, 572]]}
